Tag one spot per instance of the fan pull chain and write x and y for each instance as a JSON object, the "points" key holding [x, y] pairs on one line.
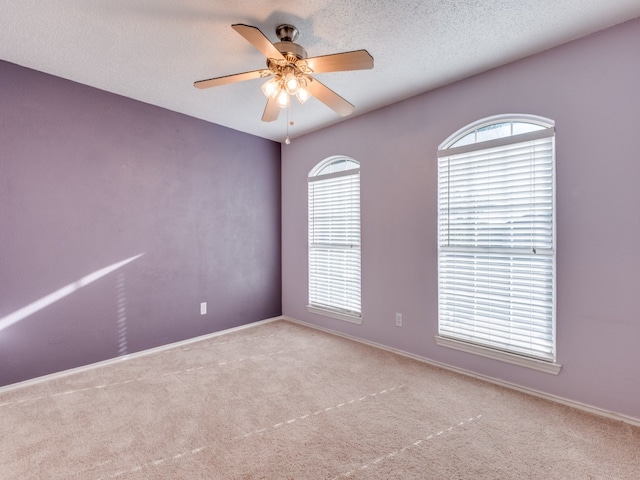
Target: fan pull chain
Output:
{"points": [[288, 140]]}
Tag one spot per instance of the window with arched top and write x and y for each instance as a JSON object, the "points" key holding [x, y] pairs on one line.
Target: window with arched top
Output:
{"points": [[496, 240], [334, 239]]}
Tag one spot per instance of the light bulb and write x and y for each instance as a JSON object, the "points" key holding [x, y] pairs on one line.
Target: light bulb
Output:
{"points": [[291, 83], [287, 140]]}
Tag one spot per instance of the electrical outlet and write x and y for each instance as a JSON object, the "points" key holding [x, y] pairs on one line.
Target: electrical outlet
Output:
{"points": [[398, 319], [203, 308]]}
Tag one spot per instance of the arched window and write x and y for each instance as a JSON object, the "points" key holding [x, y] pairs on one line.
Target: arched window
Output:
{"points": [[334, 239], [496, 238]]}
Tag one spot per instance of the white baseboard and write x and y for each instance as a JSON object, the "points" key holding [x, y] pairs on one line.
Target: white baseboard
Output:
{"points": [[530, 391], [123, 358], [554, 398]]}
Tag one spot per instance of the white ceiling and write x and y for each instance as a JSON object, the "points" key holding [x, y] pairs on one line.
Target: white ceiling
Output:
{"points": [[153, 50]]}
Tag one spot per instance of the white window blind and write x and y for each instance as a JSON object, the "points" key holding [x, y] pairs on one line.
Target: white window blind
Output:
{"points": [[496, 245], [334, 240]]}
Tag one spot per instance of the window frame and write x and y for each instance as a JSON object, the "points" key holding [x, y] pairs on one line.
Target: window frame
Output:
{"points": [[547, 365], [323, 171]]}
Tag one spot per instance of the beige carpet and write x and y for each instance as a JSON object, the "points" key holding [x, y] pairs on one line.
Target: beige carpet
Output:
{"points": [[279, 401]]}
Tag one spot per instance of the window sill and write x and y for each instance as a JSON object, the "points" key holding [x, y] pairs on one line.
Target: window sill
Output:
{"points": [[333, 314], [540, 365]]}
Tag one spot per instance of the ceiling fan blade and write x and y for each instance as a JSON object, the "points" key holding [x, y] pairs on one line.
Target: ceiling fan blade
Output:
{"points": [[330, 98], [340, 62], [271, 111], [238, 77], [256, 38]]}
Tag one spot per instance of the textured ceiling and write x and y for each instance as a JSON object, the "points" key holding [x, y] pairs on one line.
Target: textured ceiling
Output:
{"points": [[153, 50]]}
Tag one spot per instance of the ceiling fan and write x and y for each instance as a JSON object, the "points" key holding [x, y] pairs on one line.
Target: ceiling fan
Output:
{"points": [[287, 62]]}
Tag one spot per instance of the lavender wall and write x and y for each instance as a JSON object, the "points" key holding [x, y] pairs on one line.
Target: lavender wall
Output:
{"points": [[590, 87], [89, 179]]}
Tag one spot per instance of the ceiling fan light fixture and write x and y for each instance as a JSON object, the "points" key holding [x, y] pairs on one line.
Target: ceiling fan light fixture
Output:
{"points": [[286, 83]]}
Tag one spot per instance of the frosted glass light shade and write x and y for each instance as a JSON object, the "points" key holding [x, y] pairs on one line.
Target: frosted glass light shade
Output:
{"points": [[283, 99], [303, 94], [271, 88]]}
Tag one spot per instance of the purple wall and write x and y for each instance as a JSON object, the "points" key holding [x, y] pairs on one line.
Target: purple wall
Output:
{"points": [[89, 179], [591, 88]]}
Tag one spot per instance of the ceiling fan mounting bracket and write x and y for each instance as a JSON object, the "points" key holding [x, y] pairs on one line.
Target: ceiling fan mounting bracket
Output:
{"points": [[287, 33]]}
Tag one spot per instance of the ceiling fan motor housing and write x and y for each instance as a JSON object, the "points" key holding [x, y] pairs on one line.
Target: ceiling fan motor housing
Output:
{"points": [[291, 49]]}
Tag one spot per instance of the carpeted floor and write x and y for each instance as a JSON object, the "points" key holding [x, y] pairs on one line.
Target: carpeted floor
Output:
{"points": [[282, 401]]}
